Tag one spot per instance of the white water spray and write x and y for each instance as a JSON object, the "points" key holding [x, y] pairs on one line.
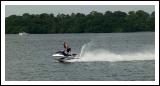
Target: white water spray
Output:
{"points": [[89, 55], [84, 49]]}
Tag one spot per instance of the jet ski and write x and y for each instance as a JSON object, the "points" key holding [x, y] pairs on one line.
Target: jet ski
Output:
{"points": [[62, 57]]}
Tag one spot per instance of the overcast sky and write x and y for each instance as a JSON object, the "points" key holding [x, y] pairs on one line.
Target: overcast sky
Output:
{"points": [[68, 9]]}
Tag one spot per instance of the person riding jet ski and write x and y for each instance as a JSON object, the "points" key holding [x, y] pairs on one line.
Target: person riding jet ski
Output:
{"points": [[67, 49]]}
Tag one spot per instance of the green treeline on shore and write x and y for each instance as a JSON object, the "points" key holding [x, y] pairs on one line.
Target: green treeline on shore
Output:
{"points": [[94, 22]]}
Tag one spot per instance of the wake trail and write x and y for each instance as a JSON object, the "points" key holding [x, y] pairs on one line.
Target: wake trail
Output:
{"points": [[88, 54]]}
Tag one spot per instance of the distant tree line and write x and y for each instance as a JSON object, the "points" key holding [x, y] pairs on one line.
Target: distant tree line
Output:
{"points": [[94, 22]]}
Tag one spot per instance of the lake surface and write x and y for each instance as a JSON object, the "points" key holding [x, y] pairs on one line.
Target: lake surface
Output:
{"points": [[103, 57]]}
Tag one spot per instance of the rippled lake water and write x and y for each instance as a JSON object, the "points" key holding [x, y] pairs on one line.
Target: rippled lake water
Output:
{"points": [[104, 57]]}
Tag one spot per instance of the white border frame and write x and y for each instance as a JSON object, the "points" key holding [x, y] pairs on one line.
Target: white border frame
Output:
{"points": [[3, 3]]}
